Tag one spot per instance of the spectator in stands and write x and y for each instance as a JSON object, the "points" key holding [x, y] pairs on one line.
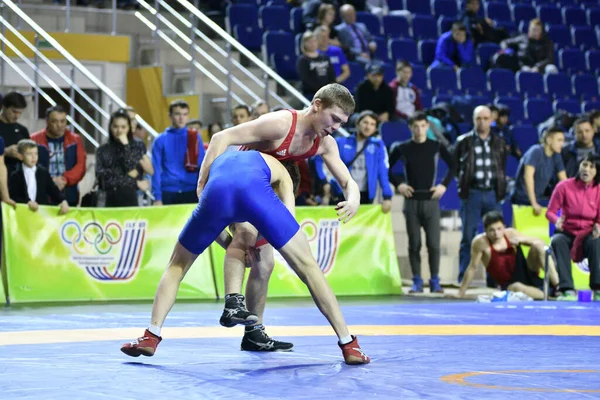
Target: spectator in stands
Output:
{"points": [[366, 157], [13, 105], [315, 69], [499, 249], [454, 48], [482, 30], [326, 18], [311, 9], [577, 233], [194, 124], [530, 52], [31, 183], [336, 55], [214, 128], [259, 108], [355, 37], [122, 163], [407, 98], [375, 95], [61, 152], [176, 157], [537, 169], [480, 160], [584, 144], [501, 127], [240, 114], [419, 156]]}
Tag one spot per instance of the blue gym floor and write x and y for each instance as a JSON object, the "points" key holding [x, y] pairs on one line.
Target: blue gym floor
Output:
{"points": [[419, 350]]}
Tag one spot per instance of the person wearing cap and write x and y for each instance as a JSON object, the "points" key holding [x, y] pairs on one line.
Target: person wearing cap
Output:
{"points": [[374, 94]]}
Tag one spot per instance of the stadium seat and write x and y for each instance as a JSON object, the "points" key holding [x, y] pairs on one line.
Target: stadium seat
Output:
{"points": [[417, 7], [445, 7], [444, 24], [550, 14], [523, 12], [567, 3], [441, 98], [426, 100], [395, 26], [403, 49], [275, 18], [571, 106], [588, 106], [530, 83], [394, 131], [396, 4], [525, 136], [450, 200], [389, 72], [574, 16], [572, 60], [281, 43], [558, 85], [424, 27], [588, 4], [426, 50], [442, 80], [538, 110], [585, 84], [509, 26], [296, 20], [472, 80], [285, 66], [382, 50], [584, 37], [592, 59], [240, 14], [593, 16], [512, 165], [485, 51], [249, 36], [515, 104], [498, 11], [275, 2], [502, 81], [560, 35], [371, 21], [357, 75], [419, 77]]}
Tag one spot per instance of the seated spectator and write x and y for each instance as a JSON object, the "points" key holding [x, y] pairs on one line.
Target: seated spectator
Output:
{"points": [[121, 164], [577, 233], [326, 19], [375, 95], [335, 54], [240, 114], [31, 183], [499, 250], [481, 30], [454, 49], [13, 105], [584, 144], [355, 37], [407, 98], [540, 164], [194, 124], [259, 108], [315, 69], [61, 152], [213, 129], [501, 127], [530, 52], [312, 8]]}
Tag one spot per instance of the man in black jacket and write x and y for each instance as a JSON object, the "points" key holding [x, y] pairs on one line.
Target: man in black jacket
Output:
{"points": [[481, 29], [480, 159]]}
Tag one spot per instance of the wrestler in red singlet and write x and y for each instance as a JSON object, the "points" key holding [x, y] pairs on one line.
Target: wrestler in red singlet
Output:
{"points": [[502, 264]]}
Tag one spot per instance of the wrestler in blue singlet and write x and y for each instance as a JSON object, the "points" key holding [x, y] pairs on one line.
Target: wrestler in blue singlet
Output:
{"points": [[238, 190]]}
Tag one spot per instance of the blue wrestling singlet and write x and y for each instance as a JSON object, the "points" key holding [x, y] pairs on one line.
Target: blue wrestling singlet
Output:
{"points": [[238, 190]]}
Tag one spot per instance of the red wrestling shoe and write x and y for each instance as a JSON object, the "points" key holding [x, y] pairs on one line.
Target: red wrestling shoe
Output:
{"points": [[145, 345], [353, 355]]}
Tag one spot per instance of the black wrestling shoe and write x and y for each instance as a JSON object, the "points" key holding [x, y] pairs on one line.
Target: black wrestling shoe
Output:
{"points": [[235, 312], [258, 340]]}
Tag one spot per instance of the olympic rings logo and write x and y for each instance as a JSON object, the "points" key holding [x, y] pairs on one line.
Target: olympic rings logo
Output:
{"points": [[91, 237]]}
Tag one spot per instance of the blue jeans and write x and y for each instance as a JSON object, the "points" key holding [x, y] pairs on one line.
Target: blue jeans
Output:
{"points": [[471, 210]]}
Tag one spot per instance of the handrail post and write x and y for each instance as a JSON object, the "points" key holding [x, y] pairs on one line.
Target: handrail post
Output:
{"points": [[156, 36], [192, 50], [20, 3], [72, 93], [36, 61], [3, 48], [68, 17], [228, 98], [266, 99], [114, 18]]}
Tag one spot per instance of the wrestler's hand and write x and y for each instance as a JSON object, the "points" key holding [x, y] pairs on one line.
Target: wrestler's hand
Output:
{"points": [[596, 231], [346, 210]]}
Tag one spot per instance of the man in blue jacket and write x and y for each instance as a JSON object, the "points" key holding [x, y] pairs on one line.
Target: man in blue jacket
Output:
{"points": [[454, 49], [177, 155]]}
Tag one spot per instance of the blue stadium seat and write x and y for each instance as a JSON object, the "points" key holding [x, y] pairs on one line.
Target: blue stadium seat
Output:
{"points": [[357, 75], [426, 100], [593, 16], [571, 106], [509, 26], [550, 14], [485, 51], [472, 80], [389, 72], [572, 60], [530, 83], [249, 36], [584, 37], [525, 135], [396, 4], [567, 3], [587, 4], [403, 49], [418, 7], [252, 2], [442, 98], [442, 80], [427, 51], [285, 66], [275, 2], [523, 26], [281, 43], [585, 84], [275, 18], [240, 14], [382, 50], [502, 81], [523, 12], [419, 77], [424, 27], [481, 99], [296, 20], [464, 127], [560, 35], [498, 11], [574, 16], [588, 106], [538, 110], [543, 2], [394, 131], [445, 7], [395, 26], [592, 59], [444, 24], [370, 20], [558, 85], [450, 200], [298, 44], [515, 104], [512, 165]]}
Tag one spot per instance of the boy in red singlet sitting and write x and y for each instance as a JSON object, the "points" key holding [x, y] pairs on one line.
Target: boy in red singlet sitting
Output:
{"points": [[498, 249]]}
